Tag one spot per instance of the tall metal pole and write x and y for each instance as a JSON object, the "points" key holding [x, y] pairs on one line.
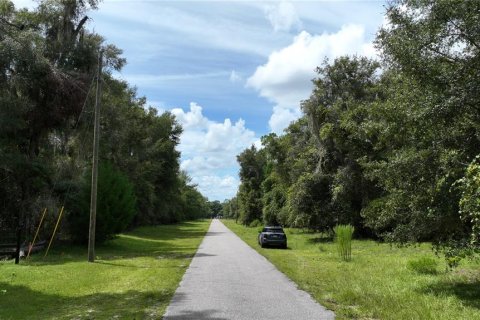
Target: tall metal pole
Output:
{"points": [[96, 140]]}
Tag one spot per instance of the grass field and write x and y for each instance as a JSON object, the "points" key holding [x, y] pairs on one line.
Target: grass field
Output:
{"points": [[134, 277], [377, 283]]}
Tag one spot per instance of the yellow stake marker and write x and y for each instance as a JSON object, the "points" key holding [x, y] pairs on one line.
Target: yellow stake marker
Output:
{"points": [[36, 234], [54, 231]]}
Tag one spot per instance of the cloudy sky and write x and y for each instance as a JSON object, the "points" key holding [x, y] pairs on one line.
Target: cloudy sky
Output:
{"points": [[231, 71]]}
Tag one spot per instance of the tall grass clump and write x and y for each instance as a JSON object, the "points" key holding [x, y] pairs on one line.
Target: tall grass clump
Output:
{"points": [[423, 265], [343, 239]]}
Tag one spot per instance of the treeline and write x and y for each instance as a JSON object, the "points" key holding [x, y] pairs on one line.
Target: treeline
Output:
{"points": [[390, 147], [48, 64]]}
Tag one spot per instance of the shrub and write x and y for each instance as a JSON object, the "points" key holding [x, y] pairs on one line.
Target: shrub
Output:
{"points": [[343, 239], [255, 223], [116, 205], [424, 265], [469, 203]]}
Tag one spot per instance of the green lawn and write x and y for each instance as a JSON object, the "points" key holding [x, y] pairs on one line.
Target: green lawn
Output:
{"points": [[376, 284], [134, 277]]}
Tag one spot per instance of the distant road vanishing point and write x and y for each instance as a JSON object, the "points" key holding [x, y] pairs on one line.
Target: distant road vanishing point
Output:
{"points": [[229, 280]]}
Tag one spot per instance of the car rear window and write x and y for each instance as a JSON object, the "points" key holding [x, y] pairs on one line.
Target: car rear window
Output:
{"points": [[273, 230]]}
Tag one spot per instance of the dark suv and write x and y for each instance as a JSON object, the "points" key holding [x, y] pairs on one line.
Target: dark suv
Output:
{"points": [[272, 236]]}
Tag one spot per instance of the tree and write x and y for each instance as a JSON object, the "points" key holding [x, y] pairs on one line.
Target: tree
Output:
{"points": [[115, 209], [215, 208], [252, 164], [46, 62], [194, 205], [431, 119]]}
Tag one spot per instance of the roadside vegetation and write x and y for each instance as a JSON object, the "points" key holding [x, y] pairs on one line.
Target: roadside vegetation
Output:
{"points": [[388, 145], [380, 282], [48, 75], [134, 277]]}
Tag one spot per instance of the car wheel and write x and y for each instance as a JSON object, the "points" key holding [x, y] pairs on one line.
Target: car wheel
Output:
{"points": [[284, 246], [262, 244]]}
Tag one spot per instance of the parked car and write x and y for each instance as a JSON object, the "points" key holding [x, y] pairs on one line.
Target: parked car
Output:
{"points": [[272, 236]]}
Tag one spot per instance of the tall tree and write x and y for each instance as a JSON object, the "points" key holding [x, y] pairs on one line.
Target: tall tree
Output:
{"points": [[252, 164]]}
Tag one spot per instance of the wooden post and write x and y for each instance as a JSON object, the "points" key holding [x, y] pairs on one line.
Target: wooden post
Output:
{"points": [[36, 233], [54, 231], [96, 141]]}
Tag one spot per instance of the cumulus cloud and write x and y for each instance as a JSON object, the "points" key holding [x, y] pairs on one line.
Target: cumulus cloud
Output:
{"points": [[283, 17], [221, 187], [209, 150], [285, 79], [282, 117]]}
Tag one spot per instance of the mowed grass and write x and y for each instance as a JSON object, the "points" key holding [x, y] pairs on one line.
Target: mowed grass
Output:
{"points": [[377, 283], [134, 277]]}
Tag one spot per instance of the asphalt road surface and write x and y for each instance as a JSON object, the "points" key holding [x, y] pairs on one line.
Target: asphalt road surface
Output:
{"points": [[229, 280]]}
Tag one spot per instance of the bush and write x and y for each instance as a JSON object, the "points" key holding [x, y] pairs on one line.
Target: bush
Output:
{"points": [[343, 239], [424, 265], [116, 206], [255, 223], [469, 203]]}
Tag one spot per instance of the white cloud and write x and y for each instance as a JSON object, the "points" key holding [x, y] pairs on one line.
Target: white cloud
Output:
{"points": [[214, 28], [283, 16], [282, 117], [285, 79], [235, 77], [209, 150], [30, 4], [223, 187]]}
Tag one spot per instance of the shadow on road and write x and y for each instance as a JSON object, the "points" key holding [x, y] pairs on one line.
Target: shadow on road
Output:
{"points": [[213, 233]]}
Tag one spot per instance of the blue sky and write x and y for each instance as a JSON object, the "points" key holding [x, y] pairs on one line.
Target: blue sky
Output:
{"points": [[231, 71]]}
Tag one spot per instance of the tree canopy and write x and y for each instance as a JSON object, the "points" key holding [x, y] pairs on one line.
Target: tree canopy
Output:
{"points": [[48, 63], [386, 145]]}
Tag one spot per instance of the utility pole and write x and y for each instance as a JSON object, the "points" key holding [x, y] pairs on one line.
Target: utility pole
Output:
{"points": [[96, 141]]}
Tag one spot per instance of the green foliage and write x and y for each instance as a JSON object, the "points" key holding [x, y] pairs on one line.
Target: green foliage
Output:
{"points": [[255, 223], [423, 265], [115, 209], [252, 163], [387, 151], [470, 200], [215, 208], [48, 59], [230, 208], [45, 71], [343, 239]]}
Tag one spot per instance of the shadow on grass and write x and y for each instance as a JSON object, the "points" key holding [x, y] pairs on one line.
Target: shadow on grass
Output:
{"points": [[20, 302], [321, 239], [150, 241], [195, 315], [467, 292]]}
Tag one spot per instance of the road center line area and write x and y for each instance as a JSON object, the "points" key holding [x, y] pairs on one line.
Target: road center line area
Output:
{"points": [[229, 280]]}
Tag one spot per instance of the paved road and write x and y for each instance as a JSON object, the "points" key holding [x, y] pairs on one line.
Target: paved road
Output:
{"points": [[229, 280]]}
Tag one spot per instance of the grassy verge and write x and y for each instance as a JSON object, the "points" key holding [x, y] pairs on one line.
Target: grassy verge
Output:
{"points": [[134, 277], [377, 283]]}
